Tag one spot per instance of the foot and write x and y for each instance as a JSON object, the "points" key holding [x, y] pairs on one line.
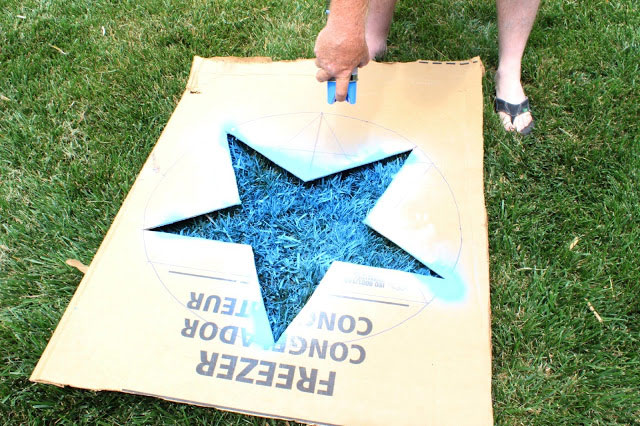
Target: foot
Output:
{"points": [[377, 45], [509, 89]]}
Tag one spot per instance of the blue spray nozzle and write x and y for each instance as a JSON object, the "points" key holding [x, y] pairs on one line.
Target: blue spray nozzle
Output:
{"points": [[351, 90]]}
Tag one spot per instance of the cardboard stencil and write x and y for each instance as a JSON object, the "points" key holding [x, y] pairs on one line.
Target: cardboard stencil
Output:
{"points": [[183, 319]]}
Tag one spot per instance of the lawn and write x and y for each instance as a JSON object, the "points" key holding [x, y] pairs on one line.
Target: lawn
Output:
{"points": [[87, 86]]}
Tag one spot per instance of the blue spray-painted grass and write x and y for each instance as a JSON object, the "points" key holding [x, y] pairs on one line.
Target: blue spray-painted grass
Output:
{"points": [[298, 229]]}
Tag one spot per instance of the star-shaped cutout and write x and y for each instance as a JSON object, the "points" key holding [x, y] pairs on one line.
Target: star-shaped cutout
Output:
{"points": [[298, 229]]}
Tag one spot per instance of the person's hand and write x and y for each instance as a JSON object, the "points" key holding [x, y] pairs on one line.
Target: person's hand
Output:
{"points": [[338, 52]]}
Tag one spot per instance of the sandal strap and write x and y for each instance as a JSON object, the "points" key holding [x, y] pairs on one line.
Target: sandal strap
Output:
{"points": [[513, 110]]}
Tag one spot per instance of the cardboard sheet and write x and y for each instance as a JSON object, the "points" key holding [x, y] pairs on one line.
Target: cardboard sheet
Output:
{"points": [[182, 318]]}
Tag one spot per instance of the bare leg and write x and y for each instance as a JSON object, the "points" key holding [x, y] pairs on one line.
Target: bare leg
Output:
{"points": [[515, 20], [377, 26]]}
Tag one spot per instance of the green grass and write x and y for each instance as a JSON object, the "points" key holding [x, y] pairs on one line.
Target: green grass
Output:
{"points": [[76, 127]]}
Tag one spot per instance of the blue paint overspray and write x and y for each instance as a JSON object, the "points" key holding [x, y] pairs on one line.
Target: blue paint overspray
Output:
{"points": [[451, 288]]}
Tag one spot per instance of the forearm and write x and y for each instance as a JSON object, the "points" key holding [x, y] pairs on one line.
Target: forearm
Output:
{"points": [[349, 15]]}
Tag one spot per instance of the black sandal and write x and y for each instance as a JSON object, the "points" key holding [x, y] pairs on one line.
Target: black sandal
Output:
{"points": [[514, 110]]}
